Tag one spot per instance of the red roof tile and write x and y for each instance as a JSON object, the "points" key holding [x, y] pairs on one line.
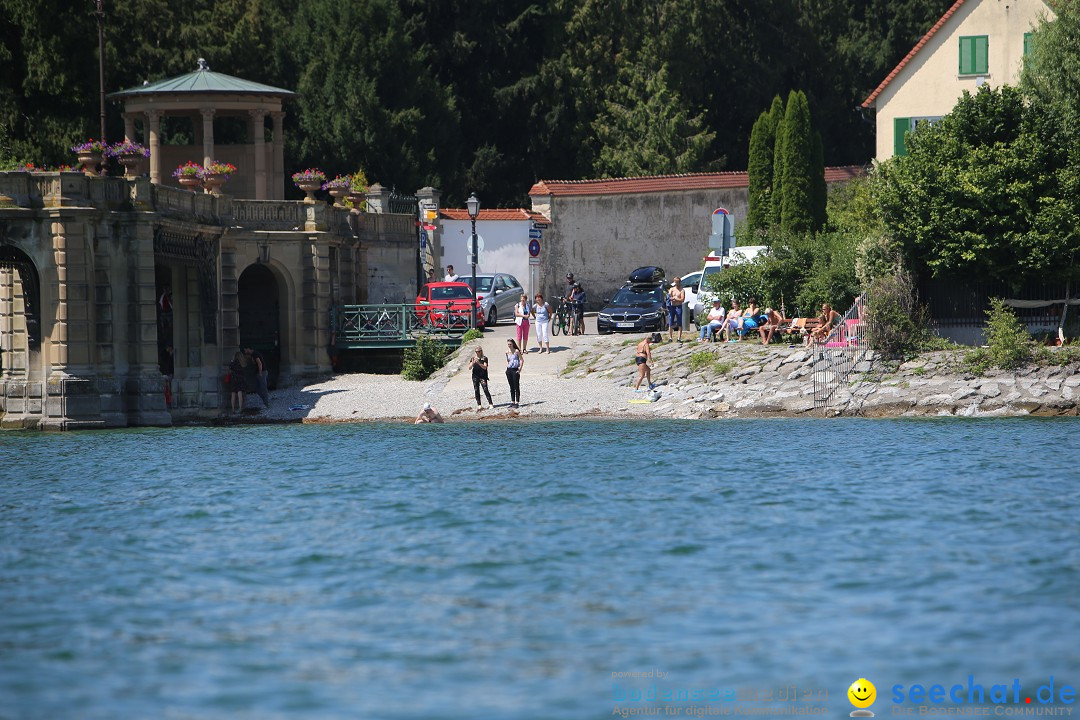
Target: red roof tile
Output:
{"points": [[493, 214], [667, 183], [907, 58]]}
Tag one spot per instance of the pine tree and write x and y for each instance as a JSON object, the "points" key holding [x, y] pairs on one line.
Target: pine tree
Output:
{"points": [[796, 203], [777, 113], [760, 173], [817, 179]]}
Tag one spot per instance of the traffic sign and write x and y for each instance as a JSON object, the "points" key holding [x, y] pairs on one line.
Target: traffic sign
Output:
{"points": [[535, 234], [474, 247], [534, 248], [539, 225], [534, 261], [423, 239]]}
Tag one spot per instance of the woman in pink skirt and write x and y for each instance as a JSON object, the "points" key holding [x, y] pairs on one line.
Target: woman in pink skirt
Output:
{"points": [[521, 319]]}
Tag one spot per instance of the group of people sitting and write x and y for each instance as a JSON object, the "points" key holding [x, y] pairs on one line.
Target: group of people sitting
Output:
{"points": [[739, 321]]}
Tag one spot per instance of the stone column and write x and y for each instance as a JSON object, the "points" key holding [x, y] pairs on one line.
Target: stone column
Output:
{"points": [[431, 256], [378, 199], [258, 136], [144, 387], [207, 135], [277, 192], [153, 122], [315, 308], [129, 126]]}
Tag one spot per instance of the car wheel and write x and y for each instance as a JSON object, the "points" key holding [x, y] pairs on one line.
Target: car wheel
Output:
{"points": [[493, 316]]}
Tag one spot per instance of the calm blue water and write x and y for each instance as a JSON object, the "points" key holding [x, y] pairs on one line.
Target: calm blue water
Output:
{"points": [[506, 571]]}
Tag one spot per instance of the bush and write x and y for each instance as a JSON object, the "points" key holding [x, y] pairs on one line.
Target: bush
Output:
{"points": [[1008, 342], [423, 358], [895, 323], [471, 334], [699, 360]]}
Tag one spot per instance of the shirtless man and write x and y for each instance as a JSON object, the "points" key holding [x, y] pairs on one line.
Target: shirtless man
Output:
{"points": [[676, 298], [428, 415], [773, 322], [643, 357]]}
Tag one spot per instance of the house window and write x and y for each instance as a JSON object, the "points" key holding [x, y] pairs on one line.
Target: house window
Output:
{"points": [[902, 126], [1027, 43], [974, 55]]}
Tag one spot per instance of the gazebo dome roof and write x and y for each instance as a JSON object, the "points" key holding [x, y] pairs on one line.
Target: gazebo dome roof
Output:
{"points": [[201, 82]]}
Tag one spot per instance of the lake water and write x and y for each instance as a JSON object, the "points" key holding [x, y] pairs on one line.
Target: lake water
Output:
{"points": [[508, 570]]}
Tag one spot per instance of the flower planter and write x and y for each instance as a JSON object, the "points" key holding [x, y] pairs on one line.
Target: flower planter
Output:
{"points": [[213, 182], [337, 193], [188, 181], [131, 164], [89, 161], [357, 199], [309, 187]]}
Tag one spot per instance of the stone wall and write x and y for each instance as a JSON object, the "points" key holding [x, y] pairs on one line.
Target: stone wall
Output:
{"points": [[601, 238], [751, 380]]}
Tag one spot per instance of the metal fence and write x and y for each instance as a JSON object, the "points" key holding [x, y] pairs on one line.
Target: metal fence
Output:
{"points": [[839, 353], [394, 325], [402, 204], [953, 303]]}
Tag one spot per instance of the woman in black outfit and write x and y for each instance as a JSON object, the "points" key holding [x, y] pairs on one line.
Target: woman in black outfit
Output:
{"points": [[513, 372], [479, 365]]}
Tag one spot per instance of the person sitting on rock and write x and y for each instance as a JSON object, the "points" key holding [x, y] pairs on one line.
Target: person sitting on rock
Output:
{"points": [[826, 321], [773, 322]]}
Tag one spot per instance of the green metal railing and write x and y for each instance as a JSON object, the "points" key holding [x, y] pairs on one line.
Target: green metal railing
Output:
{"points": [[394, 325]]}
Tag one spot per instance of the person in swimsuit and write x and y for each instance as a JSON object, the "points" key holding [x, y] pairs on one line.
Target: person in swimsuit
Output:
{"points": [[827, 319], [773, 322], [428, 415], [731, 322], [676, 298], [643, 358]]}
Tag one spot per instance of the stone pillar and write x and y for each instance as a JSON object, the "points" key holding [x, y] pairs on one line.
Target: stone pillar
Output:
{"points": [[277, 191], [378, 199], [144, 389], [73, 399], [129, 126], [207, 135], [315, 308], [20, 400], [431, 256], [258, 136], [153, 122]]}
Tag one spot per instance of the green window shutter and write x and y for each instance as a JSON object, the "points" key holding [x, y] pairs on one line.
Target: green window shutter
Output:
{"points": [[967, 52], [900, 128], [1027, 43], [982, 54]]}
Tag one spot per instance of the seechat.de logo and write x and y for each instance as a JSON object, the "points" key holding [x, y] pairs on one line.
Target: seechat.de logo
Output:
{"points": [[862, 695]]}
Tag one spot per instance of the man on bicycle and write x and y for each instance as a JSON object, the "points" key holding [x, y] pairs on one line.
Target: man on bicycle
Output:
{"points": [[576, 297]]}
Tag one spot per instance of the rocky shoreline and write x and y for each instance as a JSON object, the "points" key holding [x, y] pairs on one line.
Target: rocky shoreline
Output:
{"points": [[593, 379]]}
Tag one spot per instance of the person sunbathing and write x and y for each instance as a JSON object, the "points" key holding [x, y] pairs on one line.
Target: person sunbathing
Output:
{"points": [[826, 321], [773, 322]]}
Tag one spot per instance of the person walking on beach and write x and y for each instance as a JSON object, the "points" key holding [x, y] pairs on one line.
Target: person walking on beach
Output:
{"points": [[479, 364], [513, 372], [542, 313], [676, 298], [643, 357], [521, 319], [259, 374], [237, 371]]}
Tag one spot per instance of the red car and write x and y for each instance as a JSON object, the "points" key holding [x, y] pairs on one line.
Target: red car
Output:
{"points": [[447, 305]]}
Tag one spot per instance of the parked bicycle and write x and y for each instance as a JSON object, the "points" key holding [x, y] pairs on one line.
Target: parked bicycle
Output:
{"points": [[560, 323]]}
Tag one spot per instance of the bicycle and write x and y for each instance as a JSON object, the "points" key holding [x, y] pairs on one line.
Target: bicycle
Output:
{"points": [[560, 323]]}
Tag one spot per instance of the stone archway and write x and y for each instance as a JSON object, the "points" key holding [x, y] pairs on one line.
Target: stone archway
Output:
{"points": [[259, 304], [20, 307]]}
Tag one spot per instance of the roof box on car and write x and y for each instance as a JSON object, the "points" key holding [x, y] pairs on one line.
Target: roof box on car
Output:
{"points": [[650, 274]]}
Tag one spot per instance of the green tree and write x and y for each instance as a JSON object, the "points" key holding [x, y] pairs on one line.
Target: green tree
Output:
{"points": [[760, 168], [794, 166], [776, 199], [646, 128], [979, 194]]}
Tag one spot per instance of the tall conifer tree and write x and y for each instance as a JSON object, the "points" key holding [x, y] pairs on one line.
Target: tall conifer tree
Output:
{"points": [[796, 202]]}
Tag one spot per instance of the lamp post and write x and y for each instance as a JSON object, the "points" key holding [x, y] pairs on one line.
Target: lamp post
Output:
{"points": [[474, 209]]}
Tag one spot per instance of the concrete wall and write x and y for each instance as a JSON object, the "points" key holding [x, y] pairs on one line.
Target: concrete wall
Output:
{"points": [[602, 238], [930, 84], [506, 247]]}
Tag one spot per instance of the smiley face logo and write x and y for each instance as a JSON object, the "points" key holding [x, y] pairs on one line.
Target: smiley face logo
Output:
{"points": [[862, 694]]}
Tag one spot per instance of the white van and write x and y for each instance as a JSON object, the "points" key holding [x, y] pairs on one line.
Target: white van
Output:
{"points": [[702, 300]]}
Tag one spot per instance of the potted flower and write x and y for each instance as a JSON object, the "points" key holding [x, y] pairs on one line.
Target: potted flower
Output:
{"points": [[188, 174], [358, 185], [90, 154], [129, 154], [309, 181], [338, 188], [215, 174]]}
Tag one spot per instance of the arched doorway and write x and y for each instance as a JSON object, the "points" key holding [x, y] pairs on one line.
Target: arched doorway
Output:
{"points": [[22, 267], [260, 316]]}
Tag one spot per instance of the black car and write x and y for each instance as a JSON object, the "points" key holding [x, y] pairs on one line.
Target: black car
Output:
{"points": [[637, 307]]}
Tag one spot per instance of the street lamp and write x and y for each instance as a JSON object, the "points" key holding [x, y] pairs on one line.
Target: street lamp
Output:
{"points": [[474, 247]]}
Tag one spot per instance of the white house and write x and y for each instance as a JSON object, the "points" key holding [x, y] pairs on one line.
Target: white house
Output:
{"points": [[505, 235], [974, 43]]}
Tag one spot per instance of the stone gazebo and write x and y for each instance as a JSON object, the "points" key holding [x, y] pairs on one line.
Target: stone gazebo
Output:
{"points": [[203, 96]]}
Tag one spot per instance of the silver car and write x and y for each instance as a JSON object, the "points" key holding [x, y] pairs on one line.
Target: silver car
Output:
{"points": [[497, 294]]}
